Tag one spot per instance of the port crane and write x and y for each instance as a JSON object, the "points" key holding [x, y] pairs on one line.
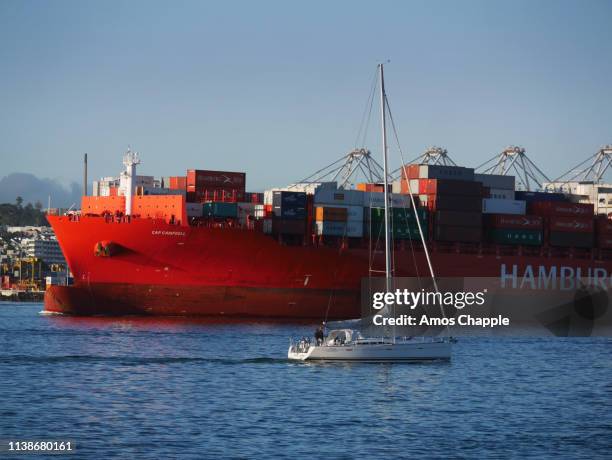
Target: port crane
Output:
{"points": [[513, 159]]}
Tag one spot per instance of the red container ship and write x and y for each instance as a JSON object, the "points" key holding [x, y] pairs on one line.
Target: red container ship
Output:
{"points": [[155, 252]]}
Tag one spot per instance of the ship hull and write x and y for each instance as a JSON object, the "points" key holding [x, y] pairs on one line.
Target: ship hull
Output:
{"points": [[177, 300], [149, 267]]}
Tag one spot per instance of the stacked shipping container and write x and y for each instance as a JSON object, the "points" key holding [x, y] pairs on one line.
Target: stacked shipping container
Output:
{"points": [[567, 224], [514, 230]]}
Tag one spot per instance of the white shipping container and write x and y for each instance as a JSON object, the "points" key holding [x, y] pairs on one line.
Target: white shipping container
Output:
{"points": [[259, 211], [377, 200], [496, 206], [349, 229], [501, 194], [309, 188], [445, 172], [414, 185], [396, 186], [341, 197]]}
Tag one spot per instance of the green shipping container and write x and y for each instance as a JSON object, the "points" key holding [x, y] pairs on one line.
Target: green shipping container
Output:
{"points": [[516, 236], [397, 214], [219, 209], [400, 232]]}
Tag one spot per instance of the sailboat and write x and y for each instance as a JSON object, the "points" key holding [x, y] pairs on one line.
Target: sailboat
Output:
{"points": [[350, 344]]}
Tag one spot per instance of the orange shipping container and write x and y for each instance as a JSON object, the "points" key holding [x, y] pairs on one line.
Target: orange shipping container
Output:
{"points": [[369, 187]]}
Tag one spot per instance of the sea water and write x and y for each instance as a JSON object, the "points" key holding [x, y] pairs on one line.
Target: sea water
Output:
{"points": [[200, 388]]}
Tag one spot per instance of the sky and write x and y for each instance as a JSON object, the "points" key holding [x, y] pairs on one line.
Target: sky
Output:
{"points": [[278, 89]]}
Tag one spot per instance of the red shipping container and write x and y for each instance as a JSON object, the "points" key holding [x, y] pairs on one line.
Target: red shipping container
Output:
{"points": [[204, 179], [423, 186], [559, 208], [604, 241], [458, 234], [450, 187], [515, 221], [570, 224], [453, 203], [410, 172], [255, 198], [178, 183], [604, 226], [459, 218], [569, 239]]}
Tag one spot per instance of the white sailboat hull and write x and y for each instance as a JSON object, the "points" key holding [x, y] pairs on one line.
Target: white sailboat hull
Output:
{"points": [[412, 351]]}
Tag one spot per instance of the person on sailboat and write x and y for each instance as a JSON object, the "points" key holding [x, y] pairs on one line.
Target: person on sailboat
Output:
{"points": [[319, 335]]}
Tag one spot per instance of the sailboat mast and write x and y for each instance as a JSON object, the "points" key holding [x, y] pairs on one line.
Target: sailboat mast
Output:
{"points": [[388, 270], [385, 177]]}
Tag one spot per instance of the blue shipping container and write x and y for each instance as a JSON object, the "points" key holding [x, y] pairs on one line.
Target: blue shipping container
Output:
{"points": [[538, 196]]}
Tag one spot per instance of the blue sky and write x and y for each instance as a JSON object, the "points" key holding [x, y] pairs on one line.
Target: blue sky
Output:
{"points": [[277, 89]]}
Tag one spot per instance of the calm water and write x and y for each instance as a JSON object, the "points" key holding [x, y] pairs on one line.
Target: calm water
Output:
{"points": [[162, 388]]}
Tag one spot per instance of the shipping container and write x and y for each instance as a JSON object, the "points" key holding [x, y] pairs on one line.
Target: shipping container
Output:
{"points": [[397, 214], [451, 203], [604, 241], [194, 209], [289, 205], [288, 227], [515, 236], [495, 206], [177, 182], [554, 208], [267, 226], [375, 199], [205, 179], [219, 209], [567, 239], [260, 211], [501, 194], [450, 187], [401, 230], [246, 212], [369, 187], [410, 172], [571, 224], [341, 197], [290, 199], [446, 172], [345, 229], [511, 221], [496, 181], [328, 213], [604, 226], [407, 186], [451, 233], [458, 218], [538, 196]]}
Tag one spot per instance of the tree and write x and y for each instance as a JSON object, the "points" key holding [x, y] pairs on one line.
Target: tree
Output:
{"points": [[19, 201], [38, 205]]}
